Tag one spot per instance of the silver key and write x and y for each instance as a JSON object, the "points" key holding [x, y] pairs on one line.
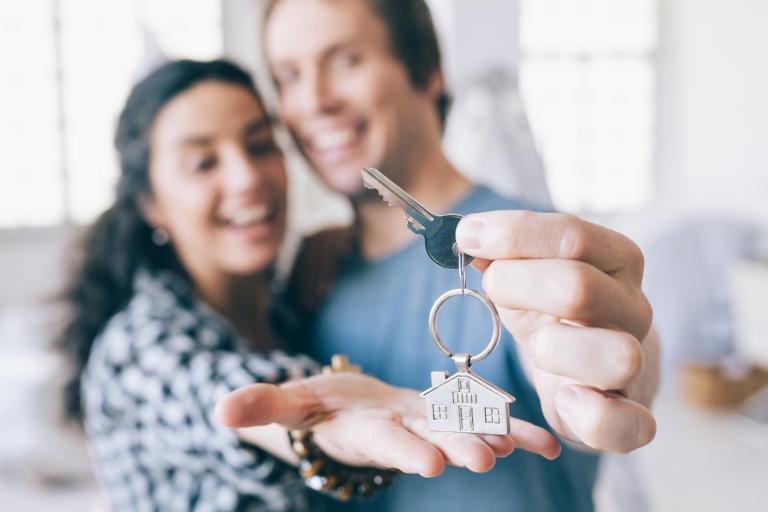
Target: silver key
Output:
{"points": [[439, 231]]}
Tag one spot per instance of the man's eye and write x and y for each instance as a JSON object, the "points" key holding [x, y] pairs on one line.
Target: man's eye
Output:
{"points": [[285, 77], [345, 61]]}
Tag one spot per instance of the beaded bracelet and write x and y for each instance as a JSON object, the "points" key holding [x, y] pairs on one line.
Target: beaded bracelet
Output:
{"points": [[326, 475]]}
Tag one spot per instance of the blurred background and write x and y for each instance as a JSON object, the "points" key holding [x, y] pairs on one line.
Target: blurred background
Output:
{"points": [[647, 116]]}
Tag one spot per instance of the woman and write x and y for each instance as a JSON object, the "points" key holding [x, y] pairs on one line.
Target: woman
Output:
{"points": [[172, 309]]}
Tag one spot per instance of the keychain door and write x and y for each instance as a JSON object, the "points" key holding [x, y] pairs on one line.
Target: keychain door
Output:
{"points": [[466, 422]]}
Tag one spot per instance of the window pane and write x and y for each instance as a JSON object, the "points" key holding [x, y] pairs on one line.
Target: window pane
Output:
{"points": [[30, 179], [103, 48], [587, 78], [105, 45], [579, 26]]}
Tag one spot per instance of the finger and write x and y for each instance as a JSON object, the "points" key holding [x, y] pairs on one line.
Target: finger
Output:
{"points": [[523, 435], [523, 235], [480, 264], [379, 437], [534, 439], [604, 421], [462, 450], [501, 445], [571, 290], [603, 358], [294, 405]]}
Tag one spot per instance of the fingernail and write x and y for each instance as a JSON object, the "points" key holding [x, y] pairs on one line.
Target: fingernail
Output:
{"points": [[470, 233], [565, 402]]}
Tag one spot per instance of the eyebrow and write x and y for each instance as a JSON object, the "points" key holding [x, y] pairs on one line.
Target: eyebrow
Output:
{"points": [[255, 126], [342, 44]]}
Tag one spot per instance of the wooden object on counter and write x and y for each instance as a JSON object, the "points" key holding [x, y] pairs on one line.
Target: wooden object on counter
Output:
{"points": [[714, 386]]}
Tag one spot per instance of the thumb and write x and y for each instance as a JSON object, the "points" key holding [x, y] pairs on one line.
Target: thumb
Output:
{"points": [[293, 405]]}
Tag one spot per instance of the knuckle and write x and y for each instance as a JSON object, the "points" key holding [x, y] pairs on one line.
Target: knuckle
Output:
{"points": [[646, 316], [636, 254], [642, 319], [579, 289], [309, 408], [573, 242], [490, 278], [635, 262], [628, 360], [512, 230]]}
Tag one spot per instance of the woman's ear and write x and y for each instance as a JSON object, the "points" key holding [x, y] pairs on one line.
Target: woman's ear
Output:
{"points": [[149, 210]]}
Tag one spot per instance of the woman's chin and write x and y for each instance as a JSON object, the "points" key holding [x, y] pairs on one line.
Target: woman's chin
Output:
{"points": [[249, 264], [251, 250]]}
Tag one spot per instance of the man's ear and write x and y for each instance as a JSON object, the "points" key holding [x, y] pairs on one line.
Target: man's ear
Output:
{"points": [[436, 85], [149, 210]]}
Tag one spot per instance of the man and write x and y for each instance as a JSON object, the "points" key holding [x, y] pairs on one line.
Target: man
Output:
{"points": [[360, 85]]}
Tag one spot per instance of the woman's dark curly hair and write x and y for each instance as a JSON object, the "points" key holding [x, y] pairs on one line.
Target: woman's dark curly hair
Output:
{"points": [[119, 243]]}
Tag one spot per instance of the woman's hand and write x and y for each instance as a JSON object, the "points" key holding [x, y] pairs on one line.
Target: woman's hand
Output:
{"points": [[360, 420]]}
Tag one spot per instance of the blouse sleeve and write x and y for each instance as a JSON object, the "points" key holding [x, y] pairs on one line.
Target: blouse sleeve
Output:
{"points": [[153, 387]]}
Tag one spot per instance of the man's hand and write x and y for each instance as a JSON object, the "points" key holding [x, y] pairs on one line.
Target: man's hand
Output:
{"points": [[362, 421], [570, 292]]}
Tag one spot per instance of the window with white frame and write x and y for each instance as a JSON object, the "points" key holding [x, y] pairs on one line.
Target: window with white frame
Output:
{"points": [[439, 412], [68, 67], [492, 415], [587, 77]]}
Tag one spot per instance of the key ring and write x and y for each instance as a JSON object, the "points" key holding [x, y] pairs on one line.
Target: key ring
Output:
{"points": [[462, 273], [486, 302]]}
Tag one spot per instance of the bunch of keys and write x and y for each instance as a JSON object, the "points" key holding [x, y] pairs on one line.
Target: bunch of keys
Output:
{"points": [[463, 402]]}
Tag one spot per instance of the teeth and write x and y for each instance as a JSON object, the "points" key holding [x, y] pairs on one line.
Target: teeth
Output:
{"points": [[249, 216], [333, 139]]}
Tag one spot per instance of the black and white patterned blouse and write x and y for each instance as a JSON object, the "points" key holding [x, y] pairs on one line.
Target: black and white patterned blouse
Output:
{"points": [[149, 390]]}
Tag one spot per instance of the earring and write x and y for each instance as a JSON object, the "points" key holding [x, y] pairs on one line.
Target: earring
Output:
{"points": [[160, 236]]}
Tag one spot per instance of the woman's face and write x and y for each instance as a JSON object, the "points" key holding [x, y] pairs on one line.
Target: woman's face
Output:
{"points": [[218, 182]]}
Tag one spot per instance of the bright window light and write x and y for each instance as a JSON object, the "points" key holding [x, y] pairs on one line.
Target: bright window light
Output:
{"points": [[61, 92], [587, 77]]}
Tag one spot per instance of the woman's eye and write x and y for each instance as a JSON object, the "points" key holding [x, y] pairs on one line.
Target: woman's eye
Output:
{"points": [[203, 163], [261, 149]]}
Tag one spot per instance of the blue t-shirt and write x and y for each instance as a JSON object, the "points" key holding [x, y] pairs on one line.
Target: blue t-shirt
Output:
{"points": [[377, 314]]}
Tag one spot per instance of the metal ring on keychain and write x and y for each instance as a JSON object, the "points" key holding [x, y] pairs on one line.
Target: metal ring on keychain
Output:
{"points": [[488, 304]]}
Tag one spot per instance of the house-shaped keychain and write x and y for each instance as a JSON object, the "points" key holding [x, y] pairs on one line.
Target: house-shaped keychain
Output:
{"points": [[465, 402]]}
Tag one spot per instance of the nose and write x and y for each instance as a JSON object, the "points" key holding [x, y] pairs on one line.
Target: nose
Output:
{"points": [[316, 94], [242, 175]]}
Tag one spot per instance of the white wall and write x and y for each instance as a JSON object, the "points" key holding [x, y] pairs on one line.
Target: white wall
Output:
{"points": [[33, 263], [713, 107], [476, 36]]}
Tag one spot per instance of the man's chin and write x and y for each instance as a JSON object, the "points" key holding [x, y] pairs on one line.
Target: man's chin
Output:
{"points": [[364, 195], [348, 183], [355, 190]]}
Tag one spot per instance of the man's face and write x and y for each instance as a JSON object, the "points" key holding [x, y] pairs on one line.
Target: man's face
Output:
{"points": [[343, 93]]}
